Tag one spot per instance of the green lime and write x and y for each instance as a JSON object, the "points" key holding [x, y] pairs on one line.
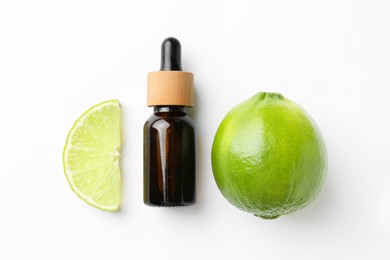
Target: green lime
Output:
{"points": [[268, 156], [91, 156]]}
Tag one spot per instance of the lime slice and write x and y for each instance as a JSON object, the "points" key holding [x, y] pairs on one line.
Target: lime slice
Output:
{"points": [[91, 156]]}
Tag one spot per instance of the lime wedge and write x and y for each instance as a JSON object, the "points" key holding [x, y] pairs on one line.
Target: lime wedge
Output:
{"points": [[91, 156]]}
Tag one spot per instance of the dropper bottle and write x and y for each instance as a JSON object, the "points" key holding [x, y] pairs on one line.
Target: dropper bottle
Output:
{"points": [[169, 137]]}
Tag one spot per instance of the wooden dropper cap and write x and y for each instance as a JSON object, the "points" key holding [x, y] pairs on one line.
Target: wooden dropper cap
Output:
{"points": [[170, 86]]}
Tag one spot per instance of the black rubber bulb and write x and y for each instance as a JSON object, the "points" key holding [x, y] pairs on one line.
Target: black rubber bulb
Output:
{"points": [[171, 54]]}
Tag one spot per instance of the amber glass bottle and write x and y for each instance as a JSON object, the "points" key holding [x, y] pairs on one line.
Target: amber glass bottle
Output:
{"points": [[169, 138]]}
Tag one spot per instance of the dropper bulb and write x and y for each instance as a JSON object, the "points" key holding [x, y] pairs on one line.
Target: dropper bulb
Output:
{"points": [[171, 54]]}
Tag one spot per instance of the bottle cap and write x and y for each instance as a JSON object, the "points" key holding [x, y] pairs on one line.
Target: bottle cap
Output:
{"points": [[170, 86]]}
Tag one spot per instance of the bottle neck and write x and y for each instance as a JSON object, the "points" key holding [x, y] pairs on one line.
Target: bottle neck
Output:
{"points": [[179, 110]]}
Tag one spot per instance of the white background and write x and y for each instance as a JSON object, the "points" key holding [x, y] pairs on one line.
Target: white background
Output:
{"points": [[58, 58]]}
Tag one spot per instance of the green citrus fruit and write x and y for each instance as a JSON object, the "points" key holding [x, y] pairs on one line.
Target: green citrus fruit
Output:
{"points": [[91, 156], [268, 156]]}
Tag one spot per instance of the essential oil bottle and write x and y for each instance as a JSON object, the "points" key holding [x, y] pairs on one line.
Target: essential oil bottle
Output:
{"points": [[169, 137]]}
